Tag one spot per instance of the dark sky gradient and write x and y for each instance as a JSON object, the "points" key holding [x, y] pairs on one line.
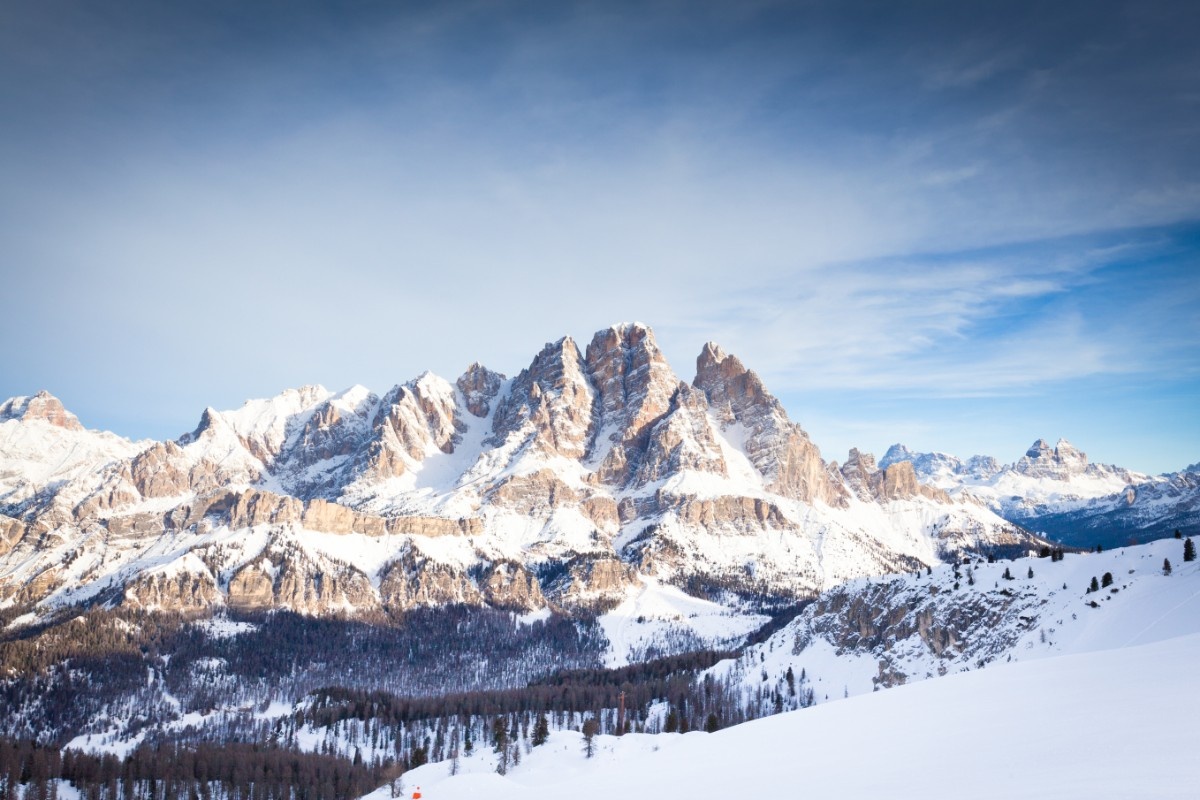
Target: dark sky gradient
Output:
{"points": [[959, 225]]}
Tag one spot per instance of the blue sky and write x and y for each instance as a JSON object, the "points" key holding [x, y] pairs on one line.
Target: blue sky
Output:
{"points": [[962, 226]]}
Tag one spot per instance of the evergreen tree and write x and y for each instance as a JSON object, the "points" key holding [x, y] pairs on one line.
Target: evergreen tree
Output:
{"points": [[1007, 574], [1189, 550], [1178, 535], [499, 735], [1030, 575], [1166, 566], [590, 728], [712, 724], [1095, 585], [1107, 580], [541, 730]]}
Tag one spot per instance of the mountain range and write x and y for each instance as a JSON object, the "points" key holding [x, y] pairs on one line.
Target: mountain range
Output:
{"points": [[592, 474], [1058, 492]]}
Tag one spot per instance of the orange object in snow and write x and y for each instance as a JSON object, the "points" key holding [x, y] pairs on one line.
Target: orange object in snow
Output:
{"points": [[417, 793]]}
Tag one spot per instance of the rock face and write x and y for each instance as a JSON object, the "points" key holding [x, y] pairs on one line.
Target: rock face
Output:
{"points": [[413, 420], [778, 448], [42, 406], [554, 399], [559, 489], [895, 482], [479, 387]]}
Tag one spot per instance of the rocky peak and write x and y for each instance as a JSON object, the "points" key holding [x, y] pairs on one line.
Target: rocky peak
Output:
{"points": [[479, 386], [554, 395], [634, 388], [731, 389], [1040, 449], [897, 452], [42, 406], [210, 423], [858, 471], [412, 420], [778, 448], [983, 467], [895, 481], [1060, 462]]}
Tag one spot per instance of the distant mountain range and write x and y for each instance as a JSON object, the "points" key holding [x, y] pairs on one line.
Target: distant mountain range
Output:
{"points": [[1057, 492], [569, 488]]}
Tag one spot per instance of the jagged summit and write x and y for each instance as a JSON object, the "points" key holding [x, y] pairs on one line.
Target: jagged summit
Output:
{"points": [[42, 406]]}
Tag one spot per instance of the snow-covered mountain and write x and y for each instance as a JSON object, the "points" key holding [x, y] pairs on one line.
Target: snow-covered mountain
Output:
{"points": [[566, 487], [1059, 492]]}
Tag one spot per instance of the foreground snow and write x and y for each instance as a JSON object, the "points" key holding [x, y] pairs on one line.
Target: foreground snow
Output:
{"points": [[1111, 723]]}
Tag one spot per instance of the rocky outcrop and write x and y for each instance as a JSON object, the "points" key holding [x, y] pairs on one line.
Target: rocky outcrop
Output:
{"points": [[184, 592], [11, 532], [413, 420], [479, 387], [42, 406], [510, 585], [592, 585], [414, 581], [682, 440], [860, 472], [554, 399], [160, 471], [1060, 462], [290, 579], [779, 449], [323, 589], [896, 482], [634, 390], [535, 494], [252, 588]]}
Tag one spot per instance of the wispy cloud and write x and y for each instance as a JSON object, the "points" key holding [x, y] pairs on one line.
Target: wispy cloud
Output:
{"points": [[1009, 321]]}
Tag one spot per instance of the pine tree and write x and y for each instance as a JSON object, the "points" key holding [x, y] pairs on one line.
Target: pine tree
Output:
{"points": [[590, 729], [1030, 575], [1095, 585], [541, 730], [1178, 535], [1107, 580], [712, 724], [1189, 550], [499, 734], [1166, 566], [1007, 574]]}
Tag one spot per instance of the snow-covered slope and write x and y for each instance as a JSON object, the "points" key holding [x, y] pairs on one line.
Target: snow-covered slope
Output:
{"points": [[1056, 490], [1103, 723], [880, 632]]}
